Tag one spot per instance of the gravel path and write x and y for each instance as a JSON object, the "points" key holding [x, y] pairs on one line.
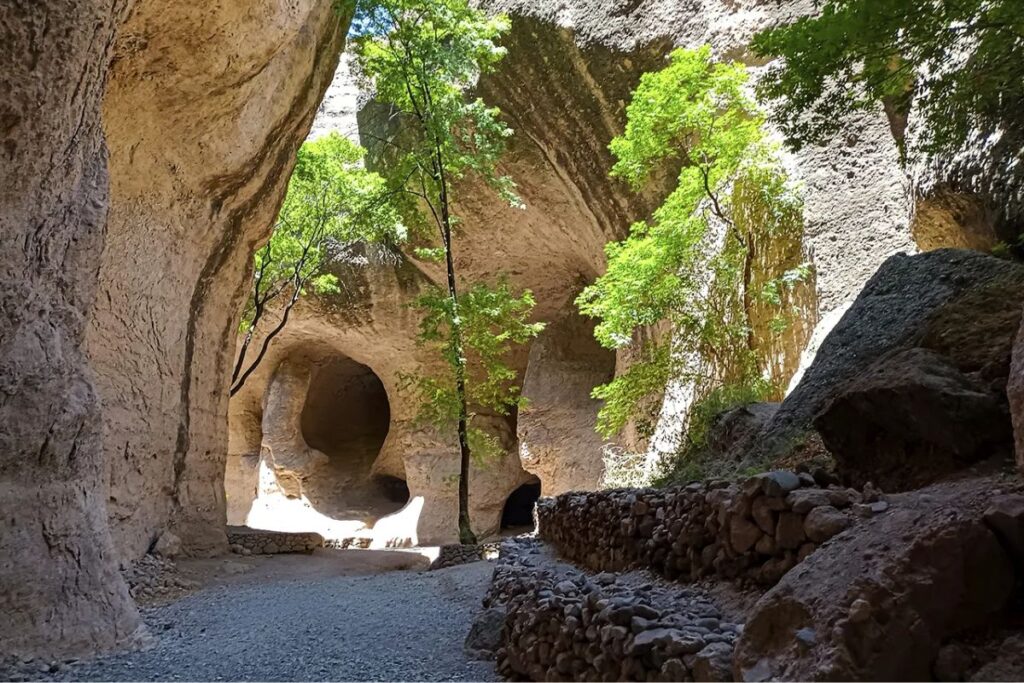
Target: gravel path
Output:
{"points": [[396, 626]]}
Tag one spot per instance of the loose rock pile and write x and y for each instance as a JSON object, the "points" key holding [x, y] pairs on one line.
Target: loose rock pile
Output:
{"points": [[758, 530], [154, 579], [14, 668], [246, 541], [563, 625], [456, 553], [359, 542]]}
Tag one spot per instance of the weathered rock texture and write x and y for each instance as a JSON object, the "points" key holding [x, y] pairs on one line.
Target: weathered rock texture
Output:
{"points": [[128, 280], [59, 587], [960, 310], [586, 58], [284, 449], [857, 208], [122, 285], [560, 624], [875, 608], [205, 107], [758, 530], [912, 417], [1015, 395], [372, 325], [557, 436]]}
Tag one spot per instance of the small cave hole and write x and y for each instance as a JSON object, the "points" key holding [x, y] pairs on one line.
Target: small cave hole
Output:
{"points": [[518, 511], [392, 488], [347, 416]]}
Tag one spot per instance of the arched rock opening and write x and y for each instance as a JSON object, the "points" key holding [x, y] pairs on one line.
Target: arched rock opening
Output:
{"points": [[518, 510], [346, 417]]}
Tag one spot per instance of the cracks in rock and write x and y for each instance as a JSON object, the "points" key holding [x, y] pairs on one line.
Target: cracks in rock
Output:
{"points": [[285, 135]]}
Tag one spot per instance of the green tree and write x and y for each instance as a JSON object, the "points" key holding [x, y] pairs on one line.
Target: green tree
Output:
{"points": [[961, 62], [695, 113], [422, 56], [332, 202]]}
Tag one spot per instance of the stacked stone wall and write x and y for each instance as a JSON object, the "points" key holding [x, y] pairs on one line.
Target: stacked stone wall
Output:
{"points": [[756, 530], [560, 624], [246, 541]]}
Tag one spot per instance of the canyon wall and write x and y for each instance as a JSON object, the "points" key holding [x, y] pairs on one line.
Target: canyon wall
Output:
{"points": [[563, 88], [205, 108], [146, 149], [59, 586]]}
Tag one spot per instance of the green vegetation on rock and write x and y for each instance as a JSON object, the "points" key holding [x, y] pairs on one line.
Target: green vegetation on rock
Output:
{"points": [[959, 62], [421, 58], [332, 201], [689, 265]]}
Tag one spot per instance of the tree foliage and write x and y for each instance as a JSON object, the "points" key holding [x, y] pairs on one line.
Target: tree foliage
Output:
{"points": [[494, 319], [422, 56], [960, 61], [332, 201], [696, 113]]}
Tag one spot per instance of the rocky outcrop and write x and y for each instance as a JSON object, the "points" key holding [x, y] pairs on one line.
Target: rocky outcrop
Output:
{"points": [[961, 306], [872, 609], [912, 418]]}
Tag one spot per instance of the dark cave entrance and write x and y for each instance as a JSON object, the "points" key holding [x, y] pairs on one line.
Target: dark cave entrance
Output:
{"points": [[347, 416], [518, 510]]}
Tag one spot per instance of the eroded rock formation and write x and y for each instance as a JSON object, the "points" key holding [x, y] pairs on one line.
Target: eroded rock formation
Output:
{"points": [[127, 279], [876, 610], [204, 110], [59, 586], [586, 61], [147, 146], [961, 306], [372, 325]]}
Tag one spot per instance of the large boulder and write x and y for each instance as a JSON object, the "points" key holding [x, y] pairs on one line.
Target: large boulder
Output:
{"points": [[891, 590], [963, 307], [912, 417]]}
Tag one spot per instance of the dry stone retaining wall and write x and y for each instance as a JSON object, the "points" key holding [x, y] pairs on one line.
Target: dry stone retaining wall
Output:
{"points": [[565, 625], [247, 541], [456, 553], [757, 530]]}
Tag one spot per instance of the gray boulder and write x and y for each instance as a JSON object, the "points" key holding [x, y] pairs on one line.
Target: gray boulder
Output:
{"points": [[961, 305]]}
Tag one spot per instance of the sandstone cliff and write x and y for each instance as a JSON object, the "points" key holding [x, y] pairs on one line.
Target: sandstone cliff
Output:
{"points": [[563, 87], [146, 147], [129, 277]]}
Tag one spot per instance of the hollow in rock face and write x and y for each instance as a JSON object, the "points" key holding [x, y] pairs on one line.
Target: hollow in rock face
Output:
{"points": [[518, 511], [346, 417]]}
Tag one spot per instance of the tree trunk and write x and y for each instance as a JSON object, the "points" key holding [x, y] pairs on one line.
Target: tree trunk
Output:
{"points": [[466, 535]]}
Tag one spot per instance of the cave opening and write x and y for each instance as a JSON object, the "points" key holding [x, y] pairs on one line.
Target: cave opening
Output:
{"points": [[518, 510], [346, 416]]}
